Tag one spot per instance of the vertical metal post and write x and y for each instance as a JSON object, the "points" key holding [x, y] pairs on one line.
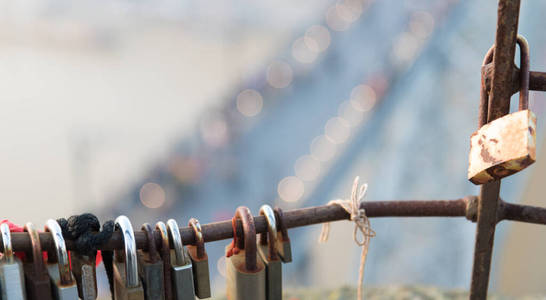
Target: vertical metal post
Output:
{"points": [[499, 105]]}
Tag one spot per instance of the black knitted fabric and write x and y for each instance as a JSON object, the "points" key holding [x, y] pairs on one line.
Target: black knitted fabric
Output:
{"points": [[84, 231]]}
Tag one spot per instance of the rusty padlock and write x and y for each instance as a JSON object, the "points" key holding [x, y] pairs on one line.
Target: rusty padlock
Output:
{"points": [[127, 285], [37, 282], [200, 262], [166, 258], [12, 281], [150, 268], [244, 271], [506, 145], [267, 248], [283, 241], [63, 283]]}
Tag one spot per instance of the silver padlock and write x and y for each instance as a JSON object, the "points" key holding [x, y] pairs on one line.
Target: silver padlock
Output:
{"points": [[182, 273], [244, 271], [283, 241], [63, 284], [200, 262], [127, 285], [267, 249], [12, 280], [150, 267]]}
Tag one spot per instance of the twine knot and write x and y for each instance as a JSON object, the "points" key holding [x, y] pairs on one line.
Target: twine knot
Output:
{"points": [[362, 225]]}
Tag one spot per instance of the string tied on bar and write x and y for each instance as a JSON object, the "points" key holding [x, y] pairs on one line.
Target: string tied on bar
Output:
{"points": [[362, 225]]}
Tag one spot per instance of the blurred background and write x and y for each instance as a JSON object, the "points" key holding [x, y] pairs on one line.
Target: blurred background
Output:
{"points": [[179, 109]]}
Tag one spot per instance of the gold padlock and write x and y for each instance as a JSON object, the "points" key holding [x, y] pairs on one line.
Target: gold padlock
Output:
{"points": [[245, 273], [506, 145], [200, 262], [267, 248]]}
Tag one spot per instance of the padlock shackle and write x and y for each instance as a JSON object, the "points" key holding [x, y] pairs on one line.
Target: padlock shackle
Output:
{"points": [[37, 259], [174, 233], [199, 240], [269, 214], [131, 267], [166, 257], [153, 255], [525, 73], [249, 232], [6, 239], [280, 223], [524, 80], [61, 254]]}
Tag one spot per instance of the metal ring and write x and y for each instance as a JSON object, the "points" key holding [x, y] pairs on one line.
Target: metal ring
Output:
{"points": [[131, 267], [199, 240], [269, 214], [6, 240], [174, 233], [37, 259], [60, 251]]}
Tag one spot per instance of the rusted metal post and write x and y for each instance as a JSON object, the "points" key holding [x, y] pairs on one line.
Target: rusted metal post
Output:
{"points": [[499, 105]]}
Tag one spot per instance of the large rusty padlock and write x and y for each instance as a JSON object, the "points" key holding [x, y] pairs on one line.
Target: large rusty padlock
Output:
{"points": [[506, 145], [244, 271], [267, 248], [200, 262]]}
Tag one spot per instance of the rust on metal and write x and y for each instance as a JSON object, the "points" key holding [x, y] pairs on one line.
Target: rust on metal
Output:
{"points": [[498, 106], [465, 207]]}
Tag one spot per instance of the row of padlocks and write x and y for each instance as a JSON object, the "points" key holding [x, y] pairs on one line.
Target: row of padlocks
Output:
{"points": [[174, 271]]}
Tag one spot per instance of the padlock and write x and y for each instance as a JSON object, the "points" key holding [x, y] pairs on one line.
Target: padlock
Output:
{"points": [[200, 262], [150, 267], [182, 273], [38, 285], [165, 253], [12, 281], [63, 284], [506, 145], [127, 285], [85, 272], [283, 240], [267, 249], [244, 271]]}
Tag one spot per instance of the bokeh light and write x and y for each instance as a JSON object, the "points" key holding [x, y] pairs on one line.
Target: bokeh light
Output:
{"points": [[249, 102], [335, 21], [279, 74], [307, 168], [317, 38], [302, 53], [214, 129], [291, 189], [363, 97], [221, 265], [349, 10], [152, 195], [405, 48], [337, 130], [322, 148], [348, 112], [421, 24]]}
